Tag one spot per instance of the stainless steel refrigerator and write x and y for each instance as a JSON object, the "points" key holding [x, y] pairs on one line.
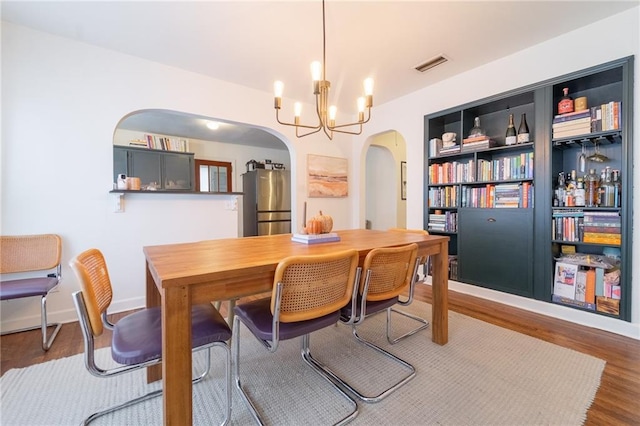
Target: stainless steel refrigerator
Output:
{"points": [[267, 202]]}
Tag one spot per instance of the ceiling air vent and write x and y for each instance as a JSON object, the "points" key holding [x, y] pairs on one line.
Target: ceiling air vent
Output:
{"points": [[433, 62]]}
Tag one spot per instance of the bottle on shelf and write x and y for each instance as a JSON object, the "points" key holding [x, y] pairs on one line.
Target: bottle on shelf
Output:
{"points": [[579, 193], [476, 130], [511, 137], [569, 194], [566, 102], [615, 177], [523, 130], [608, 189], [559, 199], [592, 189]]}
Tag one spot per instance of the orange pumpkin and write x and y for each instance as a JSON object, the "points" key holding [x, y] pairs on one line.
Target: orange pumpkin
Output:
{"points": [[325, 220]]}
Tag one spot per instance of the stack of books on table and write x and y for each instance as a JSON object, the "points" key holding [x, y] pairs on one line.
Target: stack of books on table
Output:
{"points": [[315, 238], [477, 142], [571, 124]]}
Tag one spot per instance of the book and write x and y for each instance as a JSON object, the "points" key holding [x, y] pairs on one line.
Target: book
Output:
{"points": [[581, 285], [315, 238], [564, 281], [558, 134], [599, 282], [590, 289], [569, 116], [580, 122], [572, 302], [602, 238]]}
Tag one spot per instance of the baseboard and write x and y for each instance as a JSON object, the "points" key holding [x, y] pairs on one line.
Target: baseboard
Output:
{"points": [[560, 312]]}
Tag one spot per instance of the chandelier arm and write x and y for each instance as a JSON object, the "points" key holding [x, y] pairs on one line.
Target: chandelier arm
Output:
{"points": [[339, 126], [317, 127], [328, 132], [347, 132]]}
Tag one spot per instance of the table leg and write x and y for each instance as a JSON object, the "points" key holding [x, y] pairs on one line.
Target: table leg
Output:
{"points": [[154, 299], [440, 292], [176, 356]]}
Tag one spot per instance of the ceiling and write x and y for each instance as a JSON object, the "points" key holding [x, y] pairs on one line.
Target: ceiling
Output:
{"points": [[254, 43]]}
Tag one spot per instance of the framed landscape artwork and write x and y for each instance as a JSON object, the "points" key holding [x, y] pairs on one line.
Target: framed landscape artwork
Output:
{"points": [[327, 176]]}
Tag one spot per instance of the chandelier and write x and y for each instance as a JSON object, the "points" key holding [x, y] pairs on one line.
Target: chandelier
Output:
{"points": [[326, 113]]}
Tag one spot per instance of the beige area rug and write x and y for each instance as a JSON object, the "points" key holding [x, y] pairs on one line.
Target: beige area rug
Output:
{"points": [[485, 375]]}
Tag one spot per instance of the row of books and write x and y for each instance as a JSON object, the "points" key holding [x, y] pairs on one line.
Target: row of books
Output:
{"points": [[446, 196], [452, 172], [443, 222], [514, 167], [511, 195], [162, 142], [507, 168], [598, 118], [567, 225], [589, 288]]}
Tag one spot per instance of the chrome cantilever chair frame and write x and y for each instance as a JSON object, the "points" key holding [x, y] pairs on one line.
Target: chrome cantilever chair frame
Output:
{"points": [[31, 253], [358, 314], [272, 344], [90, 362]]}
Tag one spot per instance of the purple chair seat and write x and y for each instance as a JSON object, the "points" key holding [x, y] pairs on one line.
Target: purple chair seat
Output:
{"points": [[26, 287], [256, 315], [372, 307], [138, 337]]}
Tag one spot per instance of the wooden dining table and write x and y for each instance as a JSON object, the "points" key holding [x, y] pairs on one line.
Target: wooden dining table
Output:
{"points": [[179, 275]]}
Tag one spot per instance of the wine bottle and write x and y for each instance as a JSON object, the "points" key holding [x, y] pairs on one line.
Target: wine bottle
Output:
{"points": [[511, 138], [523, 130], [566, 102]]}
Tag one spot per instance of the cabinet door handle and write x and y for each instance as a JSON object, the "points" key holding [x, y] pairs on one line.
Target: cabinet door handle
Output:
{"points": [[491, 219]]}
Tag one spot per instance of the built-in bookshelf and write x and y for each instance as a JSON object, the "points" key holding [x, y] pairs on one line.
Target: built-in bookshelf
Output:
{"points": [[499, 203]]}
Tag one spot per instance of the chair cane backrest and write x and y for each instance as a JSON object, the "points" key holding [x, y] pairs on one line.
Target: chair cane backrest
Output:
{"points": [[389, 270], [91, 270], [314, 285], [25, 253], [411, 231]]}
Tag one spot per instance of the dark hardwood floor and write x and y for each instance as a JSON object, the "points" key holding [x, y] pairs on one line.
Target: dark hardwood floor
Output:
{"points": [[617, 401]]}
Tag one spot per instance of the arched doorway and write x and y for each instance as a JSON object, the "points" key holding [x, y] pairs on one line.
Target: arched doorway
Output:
{"points": [[384, 205]]}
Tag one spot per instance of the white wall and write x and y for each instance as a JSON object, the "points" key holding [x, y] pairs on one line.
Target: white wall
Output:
{"points": [[607, 40], [61, 103]]}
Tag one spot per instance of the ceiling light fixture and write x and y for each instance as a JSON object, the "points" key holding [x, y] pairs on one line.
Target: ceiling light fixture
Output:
{"points": [[213, 125], [326, 114]]}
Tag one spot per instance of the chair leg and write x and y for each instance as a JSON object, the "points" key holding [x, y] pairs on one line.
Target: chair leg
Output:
{"points": [[230, 314], [47, 342], [306, 356], [195, 380], [376, 398], [235, 337], [424, 325], [330, 376]]}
